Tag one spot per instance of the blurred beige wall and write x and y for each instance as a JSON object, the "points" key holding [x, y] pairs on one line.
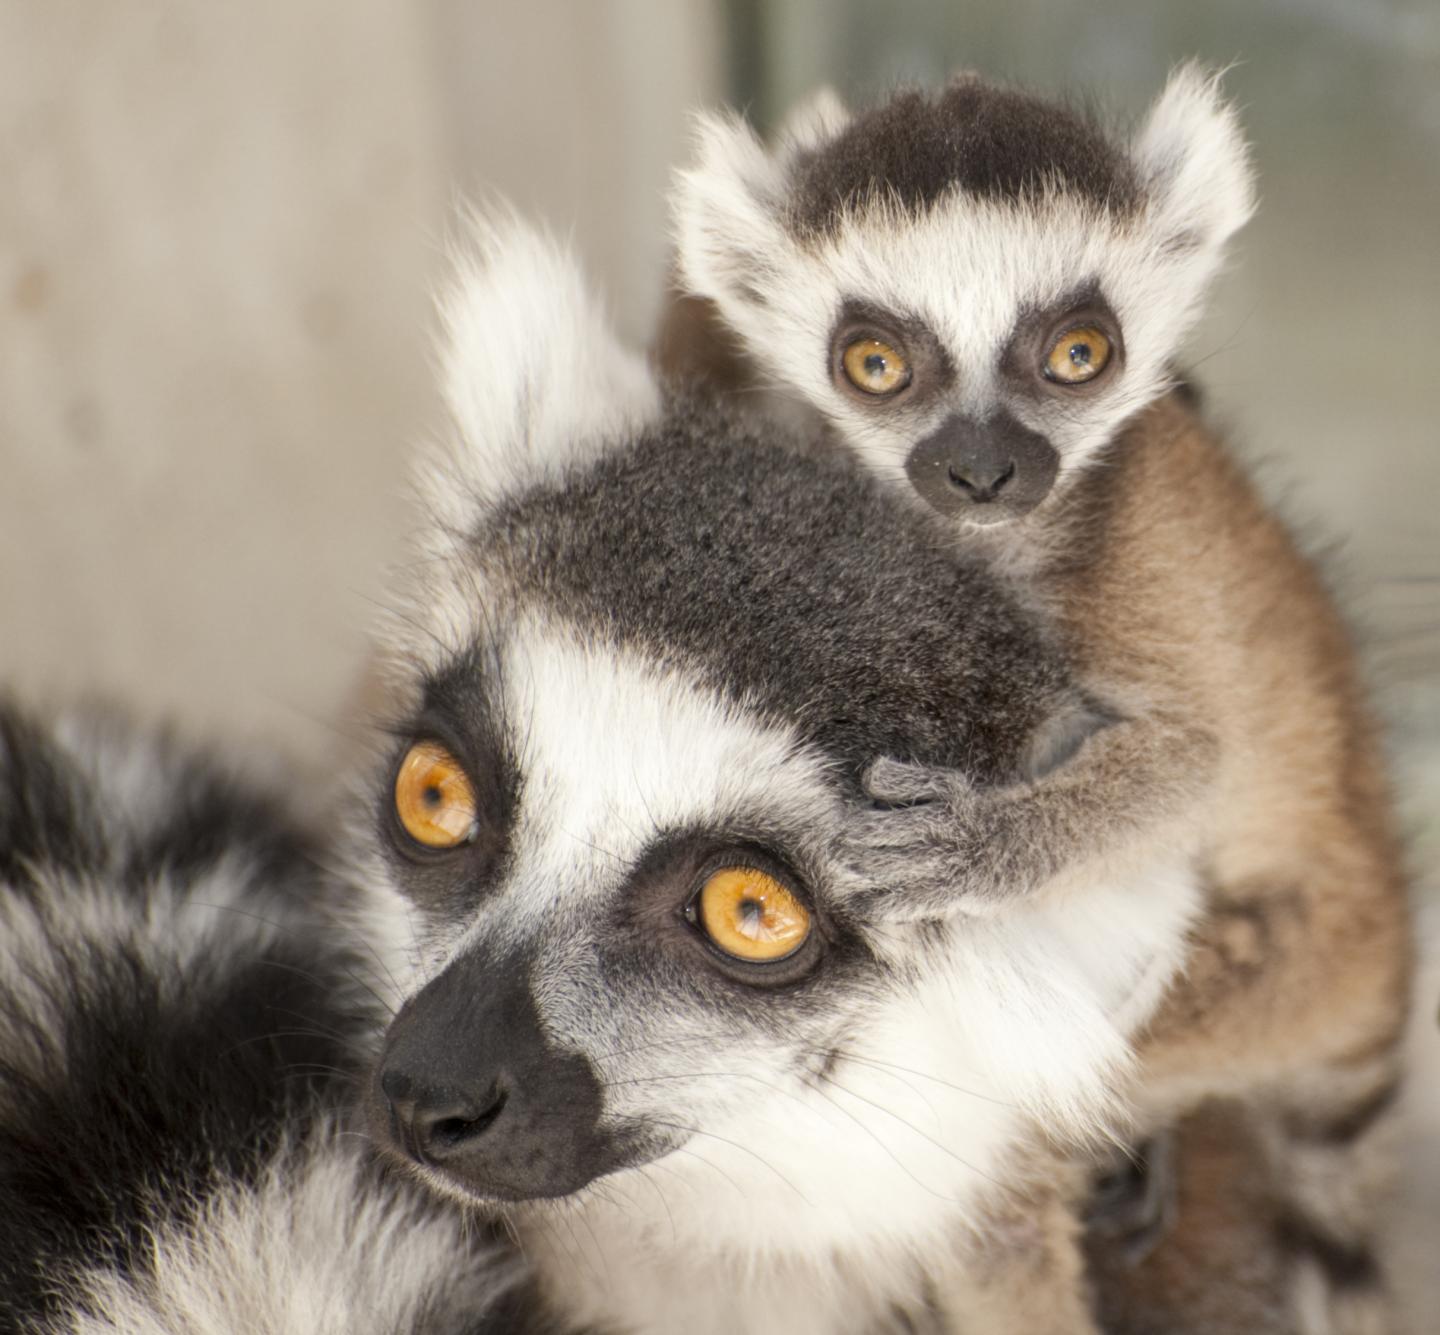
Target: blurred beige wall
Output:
{"points": [[221, 224], [218, 234]]}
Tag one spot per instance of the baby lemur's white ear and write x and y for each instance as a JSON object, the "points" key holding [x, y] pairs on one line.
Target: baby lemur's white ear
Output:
{"points": [[1194, 164], [730, 240], [532, 373], [812, 122]]}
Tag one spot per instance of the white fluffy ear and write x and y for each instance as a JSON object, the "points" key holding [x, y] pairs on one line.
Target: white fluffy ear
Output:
{"points": [[812, 122], [725, 209], [1193, 163], [532, 374]]}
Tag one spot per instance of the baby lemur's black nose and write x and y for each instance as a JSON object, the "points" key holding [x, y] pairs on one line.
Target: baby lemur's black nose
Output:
{"points": [[436, 1122], [983, 480], [998, 464]]}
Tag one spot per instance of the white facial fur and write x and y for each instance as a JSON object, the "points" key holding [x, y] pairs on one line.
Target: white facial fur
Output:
{"points": [[968, 268], [807, 1155], [947, 1053]]}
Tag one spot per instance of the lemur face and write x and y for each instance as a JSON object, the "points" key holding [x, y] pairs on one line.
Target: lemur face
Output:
{"points": [[982, 387], [977, 289], [621, 890], [644, 659]]}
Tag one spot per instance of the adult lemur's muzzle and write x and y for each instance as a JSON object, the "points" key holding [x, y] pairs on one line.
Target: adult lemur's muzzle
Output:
{"points": [[469, 1086]]}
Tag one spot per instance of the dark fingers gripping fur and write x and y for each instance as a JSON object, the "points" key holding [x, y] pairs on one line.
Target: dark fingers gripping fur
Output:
{"points": [[962, 846], [1259, 1240], [184, 1004]]}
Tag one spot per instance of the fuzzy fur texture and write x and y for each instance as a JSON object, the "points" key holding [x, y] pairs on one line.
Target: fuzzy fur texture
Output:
{"points": [[182, 1015], [967, 263]]}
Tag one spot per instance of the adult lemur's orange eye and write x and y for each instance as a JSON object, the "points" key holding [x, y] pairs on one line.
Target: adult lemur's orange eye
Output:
{"points": [[433, 798], [1078, 355], [750, 915], [875, 367]]}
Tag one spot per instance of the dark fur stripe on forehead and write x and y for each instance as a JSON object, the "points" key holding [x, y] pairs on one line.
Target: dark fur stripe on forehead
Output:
{"points": [[791, 582], [992, 142]]}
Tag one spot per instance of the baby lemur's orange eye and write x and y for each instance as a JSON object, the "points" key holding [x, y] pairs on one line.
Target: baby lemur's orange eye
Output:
{"points": [[1078, 355], [433, 798], [750, 915], [875, 367]]}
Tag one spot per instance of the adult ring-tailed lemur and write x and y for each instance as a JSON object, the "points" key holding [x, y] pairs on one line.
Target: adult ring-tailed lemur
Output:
{"points": [[652, 1020]]}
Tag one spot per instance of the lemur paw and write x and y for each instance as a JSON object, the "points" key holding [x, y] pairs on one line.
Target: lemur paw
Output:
{"points": [[904, 782], [930, 835], [1133, 1200]]}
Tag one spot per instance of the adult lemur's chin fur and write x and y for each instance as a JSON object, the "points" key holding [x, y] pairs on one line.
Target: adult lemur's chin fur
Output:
{"points": [[657, 644], [981, 294]]}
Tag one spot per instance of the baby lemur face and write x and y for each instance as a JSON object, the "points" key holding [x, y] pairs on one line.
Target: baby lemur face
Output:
{"points": [[978, 288], [645, 656]]}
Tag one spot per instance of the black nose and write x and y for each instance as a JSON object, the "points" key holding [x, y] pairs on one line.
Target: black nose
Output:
{"points": [[997, 463], [438, 1123], [982, 480], [471, 1086]]}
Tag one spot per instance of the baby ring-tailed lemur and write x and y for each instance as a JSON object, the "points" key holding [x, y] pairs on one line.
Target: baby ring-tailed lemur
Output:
{"points": [[712, 1076], [982, 293]]}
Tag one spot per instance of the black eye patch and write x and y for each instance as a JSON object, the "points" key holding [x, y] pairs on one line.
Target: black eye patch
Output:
{"points": [[458, 711], [1038, 344], [930, 371]]}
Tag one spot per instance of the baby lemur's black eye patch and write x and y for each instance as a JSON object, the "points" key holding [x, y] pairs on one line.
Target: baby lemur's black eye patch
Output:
{"points": [[881, 357], [1074, 344]]}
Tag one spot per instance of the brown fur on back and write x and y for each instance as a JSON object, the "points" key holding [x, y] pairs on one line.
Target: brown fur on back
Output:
{"points": [[1174, 578], [1174, 581]]}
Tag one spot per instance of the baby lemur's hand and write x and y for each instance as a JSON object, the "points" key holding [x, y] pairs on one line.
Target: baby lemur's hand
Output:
{"points": [[933, 843], [936, 839]]}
